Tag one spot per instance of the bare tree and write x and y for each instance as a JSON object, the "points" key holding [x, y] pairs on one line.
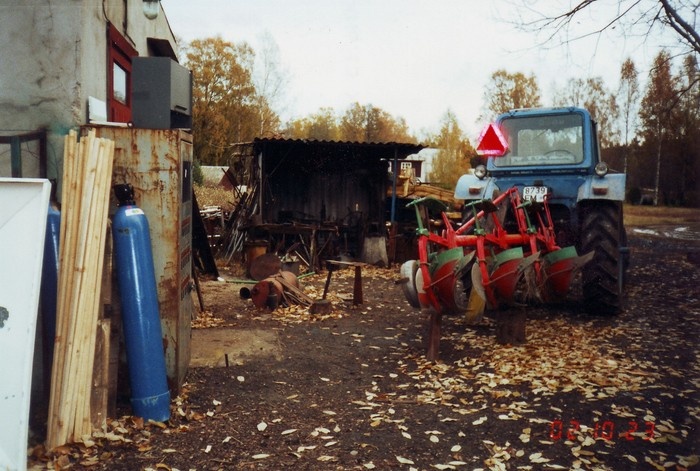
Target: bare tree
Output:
{"points": [[684, 26], [270, 79], [633, 16], [628, 98], [658, 113]]}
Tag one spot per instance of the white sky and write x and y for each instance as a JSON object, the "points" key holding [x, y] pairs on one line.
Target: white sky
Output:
{"points": [[412, 58]]}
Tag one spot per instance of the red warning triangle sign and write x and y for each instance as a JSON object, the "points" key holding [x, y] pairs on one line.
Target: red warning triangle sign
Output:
{"points": [[491, 142]]}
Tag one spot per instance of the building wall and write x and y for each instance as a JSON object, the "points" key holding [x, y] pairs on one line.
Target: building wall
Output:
{"points": [[54, 56], [425, 156]]}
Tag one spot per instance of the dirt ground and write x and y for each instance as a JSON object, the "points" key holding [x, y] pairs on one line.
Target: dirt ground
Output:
{"points": [[352, 389]]}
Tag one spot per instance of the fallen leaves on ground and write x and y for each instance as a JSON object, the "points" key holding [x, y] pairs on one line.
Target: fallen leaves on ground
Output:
{"points": [[354, 390]]}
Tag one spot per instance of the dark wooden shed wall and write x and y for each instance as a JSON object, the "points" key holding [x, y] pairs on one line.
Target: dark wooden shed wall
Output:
{"points": [[325, 181]]}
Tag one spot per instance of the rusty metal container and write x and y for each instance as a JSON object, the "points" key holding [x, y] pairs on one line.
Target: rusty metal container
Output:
{"points": [[158, 164]]}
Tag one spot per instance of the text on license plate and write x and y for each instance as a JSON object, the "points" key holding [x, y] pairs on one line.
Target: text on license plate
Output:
{"points": [[534, 193]]}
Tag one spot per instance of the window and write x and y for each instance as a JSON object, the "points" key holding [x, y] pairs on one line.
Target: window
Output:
{"points": [[120, 53], [543, 140], [119, 77]]}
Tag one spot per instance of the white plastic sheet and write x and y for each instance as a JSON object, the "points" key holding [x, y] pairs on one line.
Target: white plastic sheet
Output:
{"points": [[24, 206]]}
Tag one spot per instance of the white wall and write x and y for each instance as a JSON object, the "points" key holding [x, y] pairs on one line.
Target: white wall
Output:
{"points": [[426, 155]]}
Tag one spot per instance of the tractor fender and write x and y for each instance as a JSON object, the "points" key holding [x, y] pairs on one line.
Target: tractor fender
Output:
{"points": [[610, 187], [469, 187]]}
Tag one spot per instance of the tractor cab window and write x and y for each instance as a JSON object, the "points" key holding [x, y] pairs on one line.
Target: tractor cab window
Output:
{"points": [[542, 140]]}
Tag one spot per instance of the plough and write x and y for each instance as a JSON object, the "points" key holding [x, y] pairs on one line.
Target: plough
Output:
{"points": [[505, 254]]}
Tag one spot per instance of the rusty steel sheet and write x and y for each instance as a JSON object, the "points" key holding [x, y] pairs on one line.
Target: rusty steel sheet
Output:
{"points": [[158, 164]]}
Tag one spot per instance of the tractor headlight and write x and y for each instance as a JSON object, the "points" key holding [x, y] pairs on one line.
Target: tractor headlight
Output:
{"points": [[601, 169], [480, 171]]}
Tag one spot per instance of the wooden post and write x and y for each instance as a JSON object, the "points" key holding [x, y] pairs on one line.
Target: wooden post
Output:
{"points": [[510, 327], [357, 286], [433, 335]]}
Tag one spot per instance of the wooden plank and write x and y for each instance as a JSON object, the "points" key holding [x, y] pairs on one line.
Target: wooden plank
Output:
{"points": [[87, 178], [71, 178], [99, 398], [298, 295]]}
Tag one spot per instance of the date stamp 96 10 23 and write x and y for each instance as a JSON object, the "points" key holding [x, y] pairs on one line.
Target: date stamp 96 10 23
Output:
{"points": [[606, 430]]}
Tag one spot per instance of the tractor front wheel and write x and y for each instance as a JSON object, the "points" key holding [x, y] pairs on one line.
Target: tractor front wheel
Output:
{"points": [[602, 231]]}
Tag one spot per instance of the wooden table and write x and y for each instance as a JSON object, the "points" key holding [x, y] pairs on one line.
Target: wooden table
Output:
{"points": [[357, 286]]}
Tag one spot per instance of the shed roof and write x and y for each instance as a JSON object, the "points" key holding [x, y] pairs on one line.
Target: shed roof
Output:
{"points": [[381, 150]]}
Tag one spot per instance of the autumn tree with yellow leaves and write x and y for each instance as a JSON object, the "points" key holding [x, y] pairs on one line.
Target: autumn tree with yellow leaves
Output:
{"points": [[227, 108]]}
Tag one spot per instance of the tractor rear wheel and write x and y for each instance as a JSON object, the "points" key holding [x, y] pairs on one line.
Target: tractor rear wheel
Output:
{"points": [[602, 231]]}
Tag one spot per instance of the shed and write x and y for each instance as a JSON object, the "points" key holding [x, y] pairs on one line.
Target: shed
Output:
{"points": [[320, 199]]}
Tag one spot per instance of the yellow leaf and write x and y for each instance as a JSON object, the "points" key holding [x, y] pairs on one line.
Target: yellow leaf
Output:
{"points": [[91, 461]]}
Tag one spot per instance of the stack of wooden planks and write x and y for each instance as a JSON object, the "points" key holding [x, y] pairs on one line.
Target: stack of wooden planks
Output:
{"points": [[87, 176]]}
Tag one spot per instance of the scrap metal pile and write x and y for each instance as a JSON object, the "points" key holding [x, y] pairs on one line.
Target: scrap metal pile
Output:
{"points": [[481, 264]]}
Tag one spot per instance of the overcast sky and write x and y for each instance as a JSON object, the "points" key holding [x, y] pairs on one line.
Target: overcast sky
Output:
{"points": [[412, 58]]}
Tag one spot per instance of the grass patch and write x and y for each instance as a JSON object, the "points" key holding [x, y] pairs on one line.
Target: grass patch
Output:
{"points": [[636, 215]]}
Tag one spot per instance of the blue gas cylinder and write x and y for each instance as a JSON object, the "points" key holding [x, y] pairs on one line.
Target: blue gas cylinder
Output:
{"points": [[49, 274], [150, 397], [49, 284]]}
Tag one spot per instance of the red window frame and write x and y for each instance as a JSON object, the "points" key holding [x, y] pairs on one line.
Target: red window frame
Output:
{"points": [[119, 52]]}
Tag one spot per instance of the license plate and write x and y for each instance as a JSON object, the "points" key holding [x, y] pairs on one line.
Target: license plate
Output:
{"points": [[534, 193]]}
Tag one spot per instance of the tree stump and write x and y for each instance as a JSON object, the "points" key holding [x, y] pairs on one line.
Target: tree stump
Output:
{"points": [[321, 306]]}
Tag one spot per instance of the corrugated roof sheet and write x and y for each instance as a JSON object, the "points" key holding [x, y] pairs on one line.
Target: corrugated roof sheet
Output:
{"points": [[404, 148]]}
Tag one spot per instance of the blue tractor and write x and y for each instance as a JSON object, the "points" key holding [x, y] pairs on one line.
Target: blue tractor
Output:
{"points": [[553, 154]]}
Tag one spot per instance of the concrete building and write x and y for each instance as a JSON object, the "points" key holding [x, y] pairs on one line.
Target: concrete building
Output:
{"points": [[62, 62], [421, 162], [72, 64]]}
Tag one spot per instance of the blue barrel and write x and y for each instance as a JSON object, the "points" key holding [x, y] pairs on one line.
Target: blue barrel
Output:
{"points": [[49, 287], [150, 397]]}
